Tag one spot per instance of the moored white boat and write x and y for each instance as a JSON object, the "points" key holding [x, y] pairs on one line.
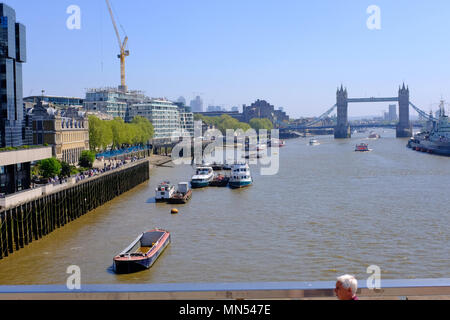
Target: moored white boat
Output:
{"points": [[164, 191], [203, 176], [240, 176], [314, 142]]}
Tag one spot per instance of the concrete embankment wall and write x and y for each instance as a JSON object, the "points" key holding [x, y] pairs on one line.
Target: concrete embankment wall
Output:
{"points": [[33, 220]]}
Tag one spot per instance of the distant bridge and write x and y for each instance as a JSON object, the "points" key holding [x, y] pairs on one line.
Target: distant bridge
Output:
{"points": [[343, 128]]}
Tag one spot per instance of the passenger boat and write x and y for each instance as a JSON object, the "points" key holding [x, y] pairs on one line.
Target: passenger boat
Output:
{"points": [[142, 253], [362, 147], [182, 195], [220, 181], [240, 176], [314, 142], [164, 191], [203, 176]]}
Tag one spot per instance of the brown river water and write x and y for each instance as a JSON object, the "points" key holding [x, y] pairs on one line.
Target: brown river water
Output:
{"points": [[327, 212]]}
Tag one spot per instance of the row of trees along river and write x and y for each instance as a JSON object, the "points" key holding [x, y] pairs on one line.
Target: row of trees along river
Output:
{"points": [[225, 122]]}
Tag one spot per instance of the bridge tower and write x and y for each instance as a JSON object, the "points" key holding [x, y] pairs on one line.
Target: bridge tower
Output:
{"points": [[404, 128], [342, 129]]}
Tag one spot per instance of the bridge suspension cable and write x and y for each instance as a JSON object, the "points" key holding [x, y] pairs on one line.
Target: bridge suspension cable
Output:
{"points": [[321, 117], [422, 113]]}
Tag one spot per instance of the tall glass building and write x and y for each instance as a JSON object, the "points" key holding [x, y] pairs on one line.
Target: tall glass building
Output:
{"points": [[12, 55]]}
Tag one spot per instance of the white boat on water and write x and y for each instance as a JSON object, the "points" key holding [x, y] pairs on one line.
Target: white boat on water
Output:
{"points": [[203, 176], [314, 142], [240, 176], [164, 191]]}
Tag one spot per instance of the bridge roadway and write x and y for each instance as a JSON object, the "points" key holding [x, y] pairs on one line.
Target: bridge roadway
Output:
{"points": [[352, 126], [372, 99], [411, 289]]}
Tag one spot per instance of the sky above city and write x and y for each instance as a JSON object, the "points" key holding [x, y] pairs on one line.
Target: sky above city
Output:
{"points": [[290, 53]]}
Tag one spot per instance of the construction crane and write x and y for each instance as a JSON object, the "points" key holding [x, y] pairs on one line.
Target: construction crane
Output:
{"points": [[123, 51]]}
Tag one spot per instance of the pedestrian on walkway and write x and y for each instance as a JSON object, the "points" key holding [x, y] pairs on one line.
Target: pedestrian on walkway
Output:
{"points": [[346, 287]]}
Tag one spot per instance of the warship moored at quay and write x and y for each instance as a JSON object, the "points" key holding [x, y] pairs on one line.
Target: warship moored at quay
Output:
{"points": [[436, 140]]}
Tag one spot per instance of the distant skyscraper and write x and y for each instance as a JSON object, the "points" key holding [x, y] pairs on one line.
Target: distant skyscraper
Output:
{"points": [[393, 112], [12, 55], [235, 109], [197, 104], [182, 100]]}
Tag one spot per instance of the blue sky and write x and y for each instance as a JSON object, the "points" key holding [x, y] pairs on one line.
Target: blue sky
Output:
{"points": [[291, 53]]}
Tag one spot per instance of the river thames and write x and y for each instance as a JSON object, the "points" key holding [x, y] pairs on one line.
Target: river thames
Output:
{"points": [[327, 212]]}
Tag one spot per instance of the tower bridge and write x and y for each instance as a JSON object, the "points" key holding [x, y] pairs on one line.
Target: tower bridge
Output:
{"points": [[342, 129]]}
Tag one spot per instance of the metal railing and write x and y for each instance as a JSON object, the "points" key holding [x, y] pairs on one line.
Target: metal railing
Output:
{"points": [[390, 289]]}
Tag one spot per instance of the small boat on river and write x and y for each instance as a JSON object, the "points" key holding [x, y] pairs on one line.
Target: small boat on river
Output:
{"points": [[164, 191], [362, 147], [182, 195], [374, 135], [220, 181], [142, 252]]}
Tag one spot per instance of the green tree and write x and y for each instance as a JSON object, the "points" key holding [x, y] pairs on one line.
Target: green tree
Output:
{"points": [[224, 122], [100, 133], [258, 124], [65, 169], [146, 129], [87, 159], [49, 167]]}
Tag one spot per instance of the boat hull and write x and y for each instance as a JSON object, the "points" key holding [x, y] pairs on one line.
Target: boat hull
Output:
{"points": [[135, 265], [239, 184], [199, 184], [430, 147]]}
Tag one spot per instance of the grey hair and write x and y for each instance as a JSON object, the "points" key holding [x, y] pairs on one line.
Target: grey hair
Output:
{"points": [[349, 281]]}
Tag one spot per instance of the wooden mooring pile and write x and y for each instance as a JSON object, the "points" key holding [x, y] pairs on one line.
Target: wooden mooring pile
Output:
{"points": [[33, 220]]}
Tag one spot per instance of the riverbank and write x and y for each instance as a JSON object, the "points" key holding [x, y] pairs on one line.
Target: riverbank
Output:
{"points": [[160, 160], [34, 219]]}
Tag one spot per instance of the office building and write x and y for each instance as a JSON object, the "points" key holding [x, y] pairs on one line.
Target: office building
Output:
{"points": [[197, 104], [168, 119], [112, 101], [55, 101], [12, 55], [263, 109], [15, 160], [393, 112]]}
